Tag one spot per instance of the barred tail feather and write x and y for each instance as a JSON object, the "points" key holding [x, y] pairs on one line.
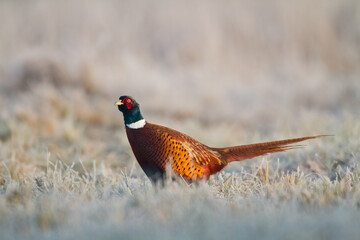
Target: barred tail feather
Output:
{"points": [[240, 153]]}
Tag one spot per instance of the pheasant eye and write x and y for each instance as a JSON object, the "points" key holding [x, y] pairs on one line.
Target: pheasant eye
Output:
{"points": [[128, 102]]}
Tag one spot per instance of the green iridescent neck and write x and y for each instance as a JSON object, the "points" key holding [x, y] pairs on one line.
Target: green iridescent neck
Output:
{"points": [[132, 116]]}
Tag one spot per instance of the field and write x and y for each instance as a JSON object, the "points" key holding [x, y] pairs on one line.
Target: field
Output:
{"points": [[224, 72]]}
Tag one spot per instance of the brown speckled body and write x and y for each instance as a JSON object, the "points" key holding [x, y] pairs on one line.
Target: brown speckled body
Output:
{"points": [[158, 148]]}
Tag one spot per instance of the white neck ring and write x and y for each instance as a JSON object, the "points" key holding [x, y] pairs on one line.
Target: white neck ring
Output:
{"points": [[136, 125]]}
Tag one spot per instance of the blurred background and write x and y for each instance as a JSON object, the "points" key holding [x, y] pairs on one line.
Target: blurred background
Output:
{"points": [[224, 72]]}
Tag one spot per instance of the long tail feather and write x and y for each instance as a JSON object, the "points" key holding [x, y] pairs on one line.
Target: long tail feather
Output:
{"points": [[240, 153]]}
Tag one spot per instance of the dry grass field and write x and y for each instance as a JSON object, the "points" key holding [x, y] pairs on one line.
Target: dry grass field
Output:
{"points": [[225, 72]]}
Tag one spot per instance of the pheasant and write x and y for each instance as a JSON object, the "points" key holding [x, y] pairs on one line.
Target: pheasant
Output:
{"points": [[159, 148]]}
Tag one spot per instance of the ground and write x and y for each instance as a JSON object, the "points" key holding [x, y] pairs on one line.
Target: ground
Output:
{"points": [[225, 73]]}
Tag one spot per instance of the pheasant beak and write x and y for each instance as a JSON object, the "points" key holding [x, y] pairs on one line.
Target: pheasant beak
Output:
{"points": [[119, 103]]}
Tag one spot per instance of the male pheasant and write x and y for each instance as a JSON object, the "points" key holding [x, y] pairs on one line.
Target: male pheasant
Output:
{"points": [[159, 148]]}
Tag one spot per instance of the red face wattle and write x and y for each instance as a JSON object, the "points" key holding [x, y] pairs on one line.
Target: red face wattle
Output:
{"points": [[128, 103]]}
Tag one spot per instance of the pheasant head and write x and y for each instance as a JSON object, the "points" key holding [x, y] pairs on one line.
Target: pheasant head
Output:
{"points": [[131, 111]]}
